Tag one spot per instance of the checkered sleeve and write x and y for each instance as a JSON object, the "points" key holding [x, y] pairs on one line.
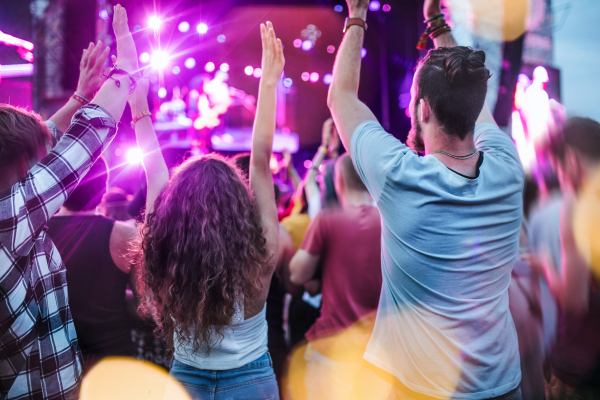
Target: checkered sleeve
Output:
{"points": [[54, 132], [25, 208]]}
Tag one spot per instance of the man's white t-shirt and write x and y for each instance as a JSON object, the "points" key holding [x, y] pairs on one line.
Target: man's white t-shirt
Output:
{"points": [[448, 242]]}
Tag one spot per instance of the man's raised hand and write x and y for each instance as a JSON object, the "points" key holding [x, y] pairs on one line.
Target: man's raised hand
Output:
{"points": [[90, 69], [126, 52], [272, 57]]}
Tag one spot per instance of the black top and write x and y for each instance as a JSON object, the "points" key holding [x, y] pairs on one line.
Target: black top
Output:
{"points": [[96, 286]]}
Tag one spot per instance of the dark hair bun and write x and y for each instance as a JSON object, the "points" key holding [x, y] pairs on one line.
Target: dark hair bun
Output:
{"points": [[465, 66]]}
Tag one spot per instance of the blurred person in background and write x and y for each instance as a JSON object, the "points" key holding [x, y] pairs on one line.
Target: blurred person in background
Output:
{"points": [[347, 243], [208, 253], [40, 169], [450, 221], [566, 258], [114, 205]]}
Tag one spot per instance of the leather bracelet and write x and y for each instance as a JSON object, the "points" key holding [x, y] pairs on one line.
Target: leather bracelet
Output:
{"points": [[140, 116], [437, 16], [354, 21], [80, 98]]}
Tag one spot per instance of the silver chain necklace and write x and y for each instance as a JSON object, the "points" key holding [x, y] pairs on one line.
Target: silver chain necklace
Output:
{"points": [[457, 157]]}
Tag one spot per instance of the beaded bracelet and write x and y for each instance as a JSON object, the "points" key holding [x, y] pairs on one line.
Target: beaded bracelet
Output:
{"points": [[138, 117], [80, 98], [436, 25]]}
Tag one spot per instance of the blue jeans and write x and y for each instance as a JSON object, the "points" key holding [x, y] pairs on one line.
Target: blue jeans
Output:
{"points": [[253, 381]]}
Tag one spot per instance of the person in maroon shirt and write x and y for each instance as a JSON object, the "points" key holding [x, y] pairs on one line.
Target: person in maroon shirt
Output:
{"points": [[346, 242]]}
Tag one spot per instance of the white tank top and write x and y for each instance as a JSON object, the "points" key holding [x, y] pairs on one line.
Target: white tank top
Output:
{"points": [[244, 341]]}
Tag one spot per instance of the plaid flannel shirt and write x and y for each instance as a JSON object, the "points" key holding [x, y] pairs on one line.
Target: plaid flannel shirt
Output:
{"points": [[39, 352]]}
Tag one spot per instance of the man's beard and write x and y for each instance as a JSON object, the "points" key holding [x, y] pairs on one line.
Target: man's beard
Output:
{"points": [[415, 136]]}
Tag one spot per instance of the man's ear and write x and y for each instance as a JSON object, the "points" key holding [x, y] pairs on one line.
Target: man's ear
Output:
{"points": [[425, 110]]}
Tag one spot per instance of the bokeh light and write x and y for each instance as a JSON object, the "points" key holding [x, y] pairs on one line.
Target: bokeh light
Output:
{"points": [[287, 82], [221, 38], [338, 8], [209, 67], [307, 164], [162, 92], [387, 7], [331, 49], [135, 156], [363, 52], [305, 76], [144, 57], [183, 26], [202, 28], [257, 73], [327, 79], [176, 70], [297, 43], [314, 77], [374, 5], [307, 45], [159, 59], [190, 63], [249, 70], [154, 23], [224, 67], [103, 14]]}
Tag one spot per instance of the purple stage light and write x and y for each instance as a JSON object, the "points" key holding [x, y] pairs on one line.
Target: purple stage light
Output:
{"points": [[189, 63], [224, 67], [338, 8], [202, 28], [314, 77], [307, 45], [103, 14], [287, 82], [176, 70], [363, 52], [257, 73], [16, 70], [307, 164], [297, 43], [374, 5], [183, 26], [154, 22], [387, 7], [305, 76], [249, 70], [209, 67], [159, 59], [327, 79], [221, 38], [144, 57], [135, 156]]}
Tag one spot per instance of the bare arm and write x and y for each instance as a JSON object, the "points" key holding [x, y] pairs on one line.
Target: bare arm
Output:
{"points": [[157, 173], [286, 252], [312, 187], [90, 80], [303, 267], [121, 239], [346, 109], [261, 180]]}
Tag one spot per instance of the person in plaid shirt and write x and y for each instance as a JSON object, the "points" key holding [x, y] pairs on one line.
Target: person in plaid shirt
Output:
{"points": [[39, 353]]}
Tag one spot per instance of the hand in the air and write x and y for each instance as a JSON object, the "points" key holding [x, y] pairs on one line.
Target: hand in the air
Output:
{"points": [[138, 100], [126, 52], [431, 8], [326, 132], [272, 57], [90, 69]]}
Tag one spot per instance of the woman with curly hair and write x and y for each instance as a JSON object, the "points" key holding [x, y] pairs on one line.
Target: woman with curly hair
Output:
{"points": [[208, 252]]}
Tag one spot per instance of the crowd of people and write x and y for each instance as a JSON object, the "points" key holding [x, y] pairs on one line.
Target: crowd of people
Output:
{"points": [[394, 271]]}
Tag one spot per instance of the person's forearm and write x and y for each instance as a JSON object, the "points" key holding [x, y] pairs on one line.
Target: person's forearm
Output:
{"points": [[445, 40], [346, 69], [112, 97], [62, 118], [264, 127]]}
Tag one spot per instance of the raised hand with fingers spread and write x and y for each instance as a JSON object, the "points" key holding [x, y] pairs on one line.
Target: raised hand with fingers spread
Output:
{"points": [[126, 52], [90, 69], [272, 58]]}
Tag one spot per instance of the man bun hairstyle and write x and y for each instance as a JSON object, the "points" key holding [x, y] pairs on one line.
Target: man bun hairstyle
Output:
{"points": [[454, 82]]}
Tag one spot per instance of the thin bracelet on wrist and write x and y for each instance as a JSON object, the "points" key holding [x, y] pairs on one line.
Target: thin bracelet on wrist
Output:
{"points": [[139, 116], [80, 98]]}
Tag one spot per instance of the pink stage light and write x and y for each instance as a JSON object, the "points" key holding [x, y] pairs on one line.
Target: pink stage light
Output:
{"points": [[103, 14], [305, 76], [209, 67], [314, 77], [287, 82], [162, 92], [10, 40], [249, 70], [154, 22], [374, 5], [189, 63], [202, 28], [159, 59], [176, 70], [135, 156], [387, 7], [257, 73], [183, 26], [331, 49], [327, 79], [307, 45], [297, 43], [224, 67], [144, 57], [363, 52], [15, 70], [307, 164]]}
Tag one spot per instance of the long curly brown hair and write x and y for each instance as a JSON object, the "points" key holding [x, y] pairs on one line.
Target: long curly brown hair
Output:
{"points": [[201, 251]]}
